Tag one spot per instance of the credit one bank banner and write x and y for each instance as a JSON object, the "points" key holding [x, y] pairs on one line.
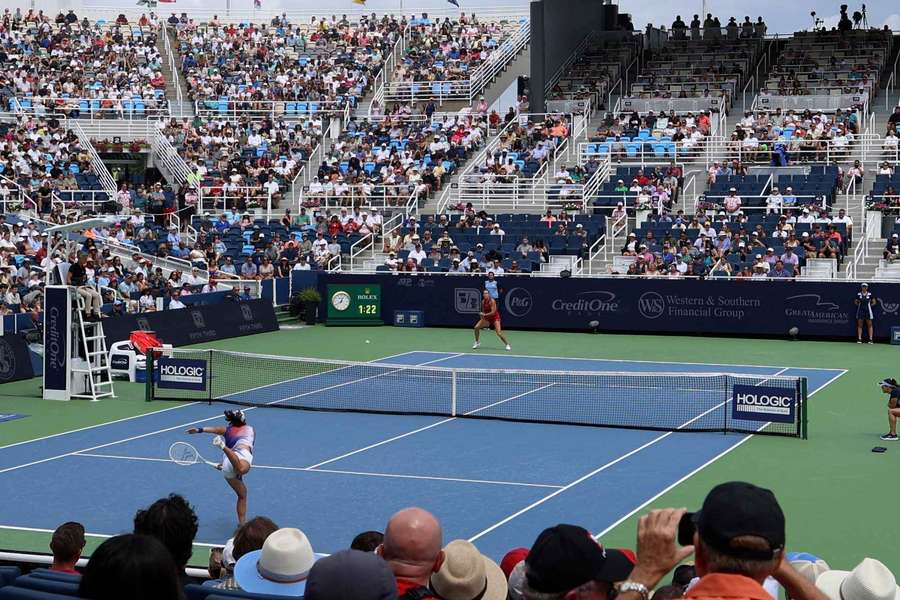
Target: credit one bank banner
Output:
{"points": [[817, 309]]}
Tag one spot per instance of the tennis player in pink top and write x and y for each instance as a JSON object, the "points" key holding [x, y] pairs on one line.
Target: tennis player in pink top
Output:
{"points": [[236, 442]]}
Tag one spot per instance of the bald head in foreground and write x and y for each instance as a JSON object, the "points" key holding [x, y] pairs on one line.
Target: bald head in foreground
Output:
{"points": [[412, 547]]}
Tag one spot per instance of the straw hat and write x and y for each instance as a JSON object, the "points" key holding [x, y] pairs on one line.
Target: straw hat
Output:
{"points": [[467, 574], [870, 580], [280, 568]]}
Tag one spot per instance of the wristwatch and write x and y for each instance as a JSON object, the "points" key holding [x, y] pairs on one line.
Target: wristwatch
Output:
{"points": [[634, 586]]}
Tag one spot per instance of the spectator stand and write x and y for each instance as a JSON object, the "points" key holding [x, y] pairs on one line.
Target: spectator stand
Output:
{"points": [[653, 138], [234, 164], [52, 163], [827, 70], [785, 137], [693, 75], [445, 70], [395, 161], [571, 239], [526, 167], [50, 77], [298, 66], [596, 70], [807, 189]]}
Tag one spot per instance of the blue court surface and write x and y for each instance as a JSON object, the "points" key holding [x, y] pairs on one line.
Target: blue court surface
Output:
{"points": [[336, 474]]}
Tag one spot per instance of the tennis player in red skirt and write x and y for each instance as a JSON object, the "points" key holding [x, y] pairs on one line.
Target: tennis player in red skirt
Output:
{"points": [[489, 318]]}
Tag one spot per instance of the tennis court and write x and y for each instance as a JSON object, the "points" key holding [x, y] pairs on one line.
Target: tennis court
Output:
{"points": [[336, 474]]}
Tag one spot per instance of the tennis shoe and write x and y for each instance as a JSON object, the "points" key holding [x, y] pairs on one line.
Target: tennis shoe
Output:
{"points": [[871, 342], [859, 341], [508, 348], [476, 345], [889, 437]]}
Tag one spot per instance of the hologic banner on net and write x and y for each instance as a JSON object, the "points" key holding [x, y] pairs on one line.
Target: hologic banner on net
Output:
{"points": [[764, 403], [182, 374]]}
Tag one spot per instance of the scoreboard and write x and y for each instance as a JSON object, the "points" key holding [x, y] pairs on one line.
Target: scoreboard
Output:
{"points": [[352, 304]]}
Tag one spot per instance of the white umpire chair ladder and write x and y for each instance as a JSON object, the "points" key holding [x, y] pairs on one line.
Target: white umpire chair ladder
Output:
{"points": [[91, 343]]}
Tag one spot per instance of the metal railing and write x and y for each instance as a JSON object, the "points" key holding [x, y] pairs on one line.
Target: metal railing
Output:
{"points": [[165, 155], [254, 200], [383, 197], [17, 199], [100, 169], [387, 69], [93, 109], [282, 109], [174, 67], [533, 195], [462, 89], [95, 199], [128, 131]]}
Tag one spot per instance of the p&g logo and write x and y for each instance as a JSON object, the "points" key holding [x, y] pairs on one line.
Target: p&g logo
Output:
{"points": [[518, 302]]}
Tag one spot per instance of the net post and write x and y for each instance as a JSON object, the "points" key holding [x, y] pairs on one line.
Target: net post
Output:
{"points": [[148, 386], [209, 377], [453, 393], [804, 407]]}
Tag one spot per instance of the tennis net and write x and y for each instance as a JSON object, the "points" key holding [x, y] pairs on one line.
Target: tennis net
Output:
{"points": [[719, 402]]}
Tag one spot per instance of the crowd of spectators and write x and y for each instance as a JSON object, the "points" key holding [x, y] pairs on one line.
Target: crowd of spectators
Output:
{"points": [[523, 149], [476, 242], [69, 66], [726, 245], [735, 547], [449, 49], [388, 160], [711, 29], [792, 136], [323, 60], [710, 68], [40, 157], [823, 63], [244, 163], [632, 134]]}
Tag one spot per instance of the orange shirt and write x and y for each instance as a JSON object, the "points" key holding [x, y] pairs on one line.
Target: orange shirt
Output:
{"points": [[722, 586]]}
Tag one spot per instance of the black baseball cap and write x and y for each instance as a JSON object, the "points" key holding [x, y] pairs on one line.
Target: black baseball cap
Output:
{"points": [[738, 509], [567, 556]]}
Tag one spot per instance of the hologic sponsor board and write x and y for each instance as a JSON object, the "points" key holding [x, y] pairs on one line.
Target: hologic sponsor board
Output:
{"points": [[764, 403], [182, 374]]}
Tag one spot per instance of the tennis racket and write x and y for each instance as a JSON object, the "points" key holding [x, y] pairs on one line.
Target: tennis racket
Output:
{"points": [[183, 454]]}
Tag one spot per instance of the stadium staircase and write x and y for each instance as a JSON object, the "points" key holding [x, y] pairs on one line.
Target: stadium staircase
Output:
{"points": [[869, 243]]}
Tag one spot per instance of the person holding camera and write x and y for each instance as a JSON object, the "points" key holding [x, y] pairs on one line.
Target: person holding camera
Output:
{"points": [[738, 541]]}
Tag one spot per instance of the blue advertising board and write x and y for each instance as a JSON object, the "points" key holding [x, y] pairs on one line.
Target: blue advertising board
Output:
{"points": [[181, 373], [196, 324], [816, 309], [763, 403], [57, 338]]}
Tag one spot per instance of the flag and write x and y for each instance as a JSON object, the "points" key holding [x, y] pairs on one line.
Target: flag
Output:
{"points": [[454, 3]]}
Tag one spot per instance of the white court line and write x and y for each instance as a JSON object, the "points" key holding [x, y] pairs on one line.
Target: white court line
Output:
{"points": [[156, 412], [47, 437], [341, 472], [703, 466], [621, 458], [598, 470], [391, 372], [421, 429], [97, 535], [626, 360], [143, 435]]}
